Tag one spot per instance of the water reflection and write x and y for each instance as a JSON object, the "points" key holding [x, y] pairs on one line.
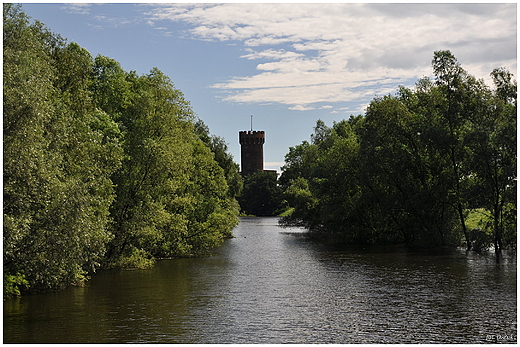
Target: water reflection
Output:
{"points": [[271, 285]]}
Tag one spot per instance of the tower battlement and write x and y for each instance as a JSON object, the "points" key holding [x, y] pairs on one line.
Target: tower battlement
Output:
{"points": [[251, 137], [252, 151]]}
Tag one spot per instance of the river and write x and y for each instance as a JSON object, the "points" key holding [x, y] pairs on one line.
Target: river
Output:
{"points": [[272, 285]]}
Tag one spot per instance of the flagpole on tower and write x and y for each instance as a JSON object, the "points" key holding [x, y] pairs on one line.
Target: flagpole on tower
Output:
{"points": [[251, 122]]}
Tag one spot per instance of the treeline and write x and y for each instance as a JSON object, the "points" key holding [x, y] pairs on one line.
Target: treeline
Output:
{"points": [[416, 167], [102, 167], [262, 195]]}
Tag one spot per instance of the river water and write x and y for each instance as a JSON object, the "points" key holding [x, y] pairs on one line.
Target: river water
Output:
{"points": [[272, 285]]}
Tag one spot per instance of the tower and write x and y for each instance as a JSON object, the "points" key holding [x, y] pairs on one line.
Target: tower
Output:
{"points": [[251, 151]]}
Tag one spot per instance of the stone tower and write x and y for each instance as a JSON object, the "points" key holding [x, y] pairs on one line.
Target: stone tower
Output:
{"points": [[251, 151]]}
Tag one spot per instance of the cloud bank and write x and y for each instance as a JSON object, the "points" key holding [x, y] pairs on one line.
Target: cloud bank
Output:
{"points": [[310, 55]]}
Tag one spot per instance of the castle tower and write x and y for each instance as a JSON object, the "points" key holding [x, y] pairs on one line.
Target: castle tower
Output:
{"points": [[251, 151]]}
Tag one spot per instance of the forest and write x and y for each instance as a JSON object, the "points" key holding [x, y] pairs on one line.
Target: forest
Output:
{"points": [[430, 166], [102, 168]]}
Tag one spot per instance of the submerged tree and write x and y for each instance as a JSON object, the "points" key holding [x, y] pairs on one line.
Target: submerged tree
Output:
{"points": [[492, 159], [412, 168]]}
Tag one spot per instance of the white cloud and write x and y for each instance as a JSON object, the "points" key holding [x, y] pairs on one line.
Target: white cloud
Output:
{"points": [[271, 54], [301, 108], [76, 8], [289, 65], [330, 53], [103, 21]]}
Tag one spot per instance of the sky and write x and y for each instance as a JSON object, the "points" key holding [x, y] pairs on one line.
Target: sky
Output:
{"points": [[287, 64]]}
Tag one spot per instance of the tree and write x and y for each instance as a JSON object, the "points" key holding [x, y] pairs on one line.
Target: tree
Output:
{"points": [[304, 204], [407, 186], [414, 165], [455, 110], [59, 153], [172, 198], [335, 180], [219, 148], [492, 158], [300, 161], [261, 195], [101, 166], [323, 184]]}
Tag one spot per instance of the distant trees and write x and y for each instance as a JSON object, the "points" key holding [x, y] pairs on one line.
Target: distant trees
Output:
{"points": [[261, 195], [102, 167], [414, 166]]}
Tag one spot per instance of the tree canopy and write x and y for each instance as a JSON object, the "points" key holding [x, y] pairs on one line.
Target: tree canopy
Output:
{"points": [[414, 166], [102, 167]]}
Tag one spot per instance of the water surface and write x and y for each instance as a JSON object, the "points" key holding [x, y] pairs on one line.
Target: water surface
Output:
{"points": [[272, 285]]}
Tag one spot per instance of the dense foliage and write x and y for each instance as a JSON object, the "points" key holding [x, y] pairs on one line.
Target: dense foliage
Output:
{"points": [[102, 167], [261, 195], [412, 168]]}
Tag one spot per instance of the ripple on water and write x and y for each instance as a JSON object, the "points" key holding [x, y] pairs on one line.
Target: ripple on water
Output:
{"points": [[271, 285]]}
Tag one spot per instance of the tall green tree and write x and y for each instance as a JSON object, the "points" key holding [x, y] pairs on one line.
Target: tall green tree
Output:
{"points": [[225, 160], [408, 187], [59, 153], [300, 161], [492, 159], [101, 166], [172, 196], [456, 107], [338, 183], [323, 183]]}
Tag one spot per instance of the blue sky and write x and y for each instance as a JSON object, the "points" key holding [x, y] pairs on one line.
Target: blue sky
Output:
{"points": [[286, 64]]}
